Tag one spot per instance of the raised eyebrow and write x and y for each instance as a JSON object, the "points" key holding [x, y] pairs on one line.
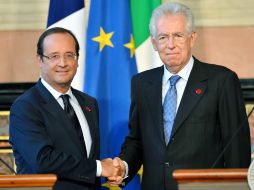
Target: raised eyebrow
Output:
{"points": [[162, 34], [70, 52], [53, 54], [179, 33]]}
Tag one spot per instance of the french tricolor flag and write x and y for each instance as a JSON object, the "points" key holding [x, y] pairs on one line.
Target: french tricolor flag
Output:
{"points": [[72, 16]]}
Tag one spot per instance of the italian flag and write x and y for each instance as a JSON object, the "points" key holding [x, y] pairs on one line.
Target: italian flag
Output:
{"points": [[141, 11]]}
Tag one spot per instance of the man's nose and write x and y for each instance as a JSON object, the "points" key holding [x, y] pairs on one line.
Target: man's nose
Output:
{"points": [[170, 42], [62, 61]]}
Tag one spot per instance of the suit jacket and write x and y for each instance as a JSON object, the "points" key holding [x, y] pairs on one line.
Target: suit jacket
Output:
{"points": [[211, 114], [44, 140]]}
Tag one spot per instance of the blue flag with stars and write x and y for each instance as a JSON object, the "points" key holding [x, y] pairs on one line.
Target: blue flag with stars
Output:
{"points": [[110, 64]]}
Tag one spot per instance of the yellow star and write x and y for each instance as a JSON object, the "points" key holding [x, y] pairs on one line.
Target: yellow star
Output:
{"points": [[104, 39], [131, 46], [140, 172], [111, 187]]}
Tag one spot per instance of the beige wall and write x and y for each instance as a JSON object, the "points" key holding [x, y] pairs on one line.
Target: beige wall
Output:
{"points": [[17, 56], [21, 23], [232, 47], [225, 36]]}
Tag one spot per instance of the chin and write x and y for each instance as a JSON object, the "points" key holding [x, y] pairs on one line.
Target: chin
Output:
{"points": [[64, 80]]}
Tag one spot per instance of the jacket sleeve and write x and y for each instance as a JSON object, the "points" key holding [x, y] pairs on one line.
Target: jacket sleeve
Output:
{"points": [[131, 151], [234, 124]]}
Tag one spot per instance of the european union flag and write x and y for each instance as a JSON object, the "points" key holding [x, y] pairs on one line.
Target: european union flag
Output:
{"points": [[110, 64]]}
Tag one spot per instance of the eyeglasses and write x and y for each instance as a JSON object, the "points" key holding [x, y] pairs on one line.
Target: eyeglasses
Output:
{"points": [[176, 37], [57, 57]]}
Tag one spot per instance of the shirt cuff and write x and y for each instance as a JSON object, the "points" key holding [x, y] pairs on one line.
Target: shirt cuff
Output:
{"points": [[126, 169], [99, 168]]}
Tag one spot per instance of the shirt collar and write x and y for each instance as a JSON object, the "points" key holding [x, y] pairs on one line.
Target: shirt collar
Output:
{"points": [[54, 92], [184, 73]]}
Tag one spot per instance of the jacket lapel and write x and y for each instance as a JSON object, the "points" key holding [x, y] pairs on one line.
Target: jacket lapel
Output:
{"points": [[153, 89], [86, 107], [194, 91], [52, 106]]}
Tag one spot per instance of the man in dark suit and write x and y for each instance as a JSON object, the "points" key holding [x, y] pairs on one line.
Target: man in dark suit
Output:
{"points": [[208, 126], [53, 127]]}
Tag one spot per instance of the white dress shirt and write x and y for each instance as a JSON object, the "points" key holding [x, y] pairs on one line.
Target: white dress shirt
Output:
{"points": [[184, 73]]}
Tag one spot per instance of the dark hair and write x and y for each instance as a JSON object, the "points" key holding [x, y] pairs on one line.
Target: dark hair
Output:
{"points": [[55, 30]]}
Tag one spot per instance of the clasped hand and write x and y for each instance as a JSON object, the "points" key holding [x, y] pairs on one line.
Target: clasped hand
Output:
{"points": [[113, 170]]}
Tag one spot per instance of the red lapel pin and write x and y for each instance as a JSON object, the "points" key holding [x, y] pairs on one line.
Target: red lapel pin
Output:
{"points": [[88, 109], [198, 91]]}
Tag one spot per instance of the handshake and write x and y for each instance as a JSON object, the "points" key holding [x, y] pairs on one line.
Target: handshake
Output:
{"points": [[114, 170]]}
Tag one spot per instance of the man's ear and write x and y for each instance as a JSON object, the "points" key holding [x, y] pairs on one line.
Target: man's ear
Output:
{"points": [[193, 38], [153, 40], [39, 60]]}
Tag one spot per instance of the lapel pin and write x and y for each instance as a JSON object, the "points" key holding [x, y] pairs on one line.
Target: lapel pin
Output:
{"points": [[198, 91], [88, 109]]}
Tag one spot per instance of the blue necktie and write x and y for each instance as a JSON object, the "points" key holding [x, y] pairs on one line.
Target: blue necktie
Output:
{"points": [[169, 107]]}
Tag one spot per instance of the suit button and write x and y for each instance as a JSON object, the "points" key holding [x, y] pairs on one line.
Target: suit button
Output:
{"points": [[173, 139], [168, 164]]}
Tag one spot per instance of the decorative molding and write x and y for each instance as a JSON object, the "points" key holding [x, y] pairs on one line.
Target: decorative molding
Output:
{"points": [[23, 14], [221, 13], [10, 91], [32, 14], [247, 86]]}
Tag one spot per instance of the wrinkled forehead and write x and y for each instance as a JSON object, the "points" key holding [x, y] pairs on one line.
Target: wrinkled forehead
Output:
{"points": [[171, 23]]}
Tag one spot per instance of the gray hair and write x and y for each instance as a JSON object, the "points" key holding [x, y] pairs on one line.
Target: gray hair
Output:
{"points": [[174, 9]]}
